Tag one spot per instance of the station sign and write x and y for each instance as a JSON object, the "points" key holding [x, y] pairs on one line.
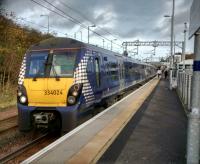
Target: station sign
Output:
{"points": [[194, 18]]}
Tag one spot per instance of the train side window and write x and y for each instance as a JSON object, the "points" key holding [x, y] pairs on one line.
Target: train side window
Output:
{"points": [[90, 65], [97, 71]]}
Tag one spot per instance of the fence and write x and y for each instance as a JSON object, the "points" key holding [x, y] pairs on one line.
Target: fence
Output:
{"points": [[184, 82]]}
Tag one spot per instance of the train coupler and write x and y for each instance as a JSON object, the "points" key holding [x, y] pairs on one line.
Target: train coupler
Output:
{"points": [[43, 119]]}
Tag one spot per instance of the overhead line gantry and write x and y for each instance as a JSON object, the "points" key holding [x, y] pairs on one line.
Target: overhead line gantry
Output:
{"points": [[154, 44]]}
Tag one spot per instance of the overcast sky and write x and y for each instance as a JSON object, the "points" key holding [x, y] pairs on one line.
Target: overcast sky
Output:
{"points": [[126, 20]]}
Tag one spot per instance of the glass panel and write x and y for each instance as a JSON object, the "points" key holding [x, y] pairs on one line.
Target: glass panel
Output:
{"points": [[36, 65], [63, 64], [97, 72]]}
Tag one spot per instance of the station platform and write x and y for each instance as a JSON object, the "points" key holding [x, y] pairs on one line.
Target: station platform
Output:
{"points": [[155, 135], [147, 126]]}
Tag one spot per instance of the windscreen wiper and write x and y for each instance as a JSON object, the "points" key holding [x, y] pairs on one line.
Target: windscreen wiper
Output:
{"points": [[54, 72]]}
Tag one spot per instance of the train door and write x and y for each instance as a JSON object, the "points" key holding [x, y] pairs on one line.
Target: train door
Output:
{"points": [[97, 72], [121, 74], [98, 82]]}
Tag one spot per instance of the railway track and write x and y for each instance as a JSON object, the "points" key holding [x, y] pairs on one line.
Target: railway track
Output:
{"points": [[8, 123], [21, 150], [34, 146]]}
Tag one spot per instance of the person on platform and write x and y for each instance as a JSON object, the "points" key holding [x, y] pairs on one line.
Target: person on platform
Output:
{"points": [[159, 73], [166, 73]]}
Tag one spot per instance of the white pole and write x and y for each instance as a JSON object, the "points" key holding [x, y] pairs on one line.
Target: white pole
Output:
{"points": [[193, 139], [172, 42], [184, 45]]}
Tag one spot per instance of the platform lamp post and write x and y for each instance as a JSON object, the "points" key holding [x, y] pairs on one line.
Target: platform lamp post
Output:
{"points": [[48, 20], [89, 32], [171, 43], [111, 42], [184, 45]]}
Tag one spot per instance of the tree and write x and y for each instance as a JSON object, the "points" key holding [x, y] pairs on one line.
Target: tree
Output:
{"points": [[14, 41]]}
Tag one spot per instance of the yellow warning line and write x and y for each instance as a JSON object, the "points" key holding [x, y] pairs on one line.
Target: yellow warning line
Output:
{"points": [[92, 151]]}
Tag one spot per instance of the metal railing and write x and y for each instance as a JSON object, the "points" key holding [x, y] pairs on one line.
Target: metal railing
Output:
{"points": [[184, 82]]}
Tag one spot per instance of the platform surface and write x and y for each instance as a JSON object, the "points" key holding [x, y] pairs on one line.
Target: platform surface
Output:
{"points": [[155, 135]]}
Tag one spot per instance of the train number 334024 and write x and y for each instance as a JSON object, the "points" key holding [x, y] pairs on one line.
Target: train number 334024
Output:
{"points": [[53, 92]]}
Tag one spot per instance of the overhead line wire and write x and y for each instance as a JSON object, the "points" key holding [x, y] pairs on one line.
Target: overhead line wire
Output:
{"points": [[82, 15], [52, 10], [24, 19], [28, 21], [84, 26], [66, 16]]}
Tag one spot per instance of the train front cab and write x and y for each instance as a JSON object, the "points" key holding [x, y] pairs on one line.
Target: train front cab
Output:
{"points": [[47, 94]]}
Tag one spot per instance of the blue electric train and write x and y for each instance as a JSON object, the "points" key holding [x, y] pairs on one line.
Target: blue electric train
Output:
{"points": [[61, 78]]}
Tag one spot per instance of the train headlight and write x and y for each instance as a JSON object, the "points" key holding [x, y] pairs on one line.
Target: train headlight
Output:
{"points": [[19, 93], [75, 93], [76, 87], [71, 100], [23, 99]]}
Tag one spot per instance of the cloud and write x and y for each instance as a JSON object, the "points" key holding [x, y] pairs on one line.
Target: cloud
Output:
{"points": [[130, 19]]}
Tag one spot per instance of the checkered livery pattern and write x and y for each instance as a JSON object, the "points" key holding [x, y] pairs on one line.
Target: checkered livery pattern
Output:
{"points": [[22, 71], [81, 76]]}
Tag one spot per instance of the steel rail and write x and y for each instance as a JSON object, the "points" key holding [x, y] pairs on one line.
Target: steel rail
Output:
{"points": [[8, 123], [22, 149]]}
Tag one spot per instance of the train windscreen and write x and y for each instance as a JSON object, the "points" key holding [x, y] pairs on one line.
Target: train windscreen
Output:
{"points": [[58, 64], [36, 64], [63, 64]]}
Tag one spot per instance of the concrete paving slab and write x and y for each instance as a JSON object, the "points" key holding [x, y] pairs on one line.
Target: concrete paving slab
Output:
{"points": [[155, 135]]}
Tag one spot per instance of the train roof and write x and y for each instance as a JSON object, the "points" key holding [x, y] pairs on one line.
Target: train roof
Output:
{"points": [[61, 43], [56, 43]]}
